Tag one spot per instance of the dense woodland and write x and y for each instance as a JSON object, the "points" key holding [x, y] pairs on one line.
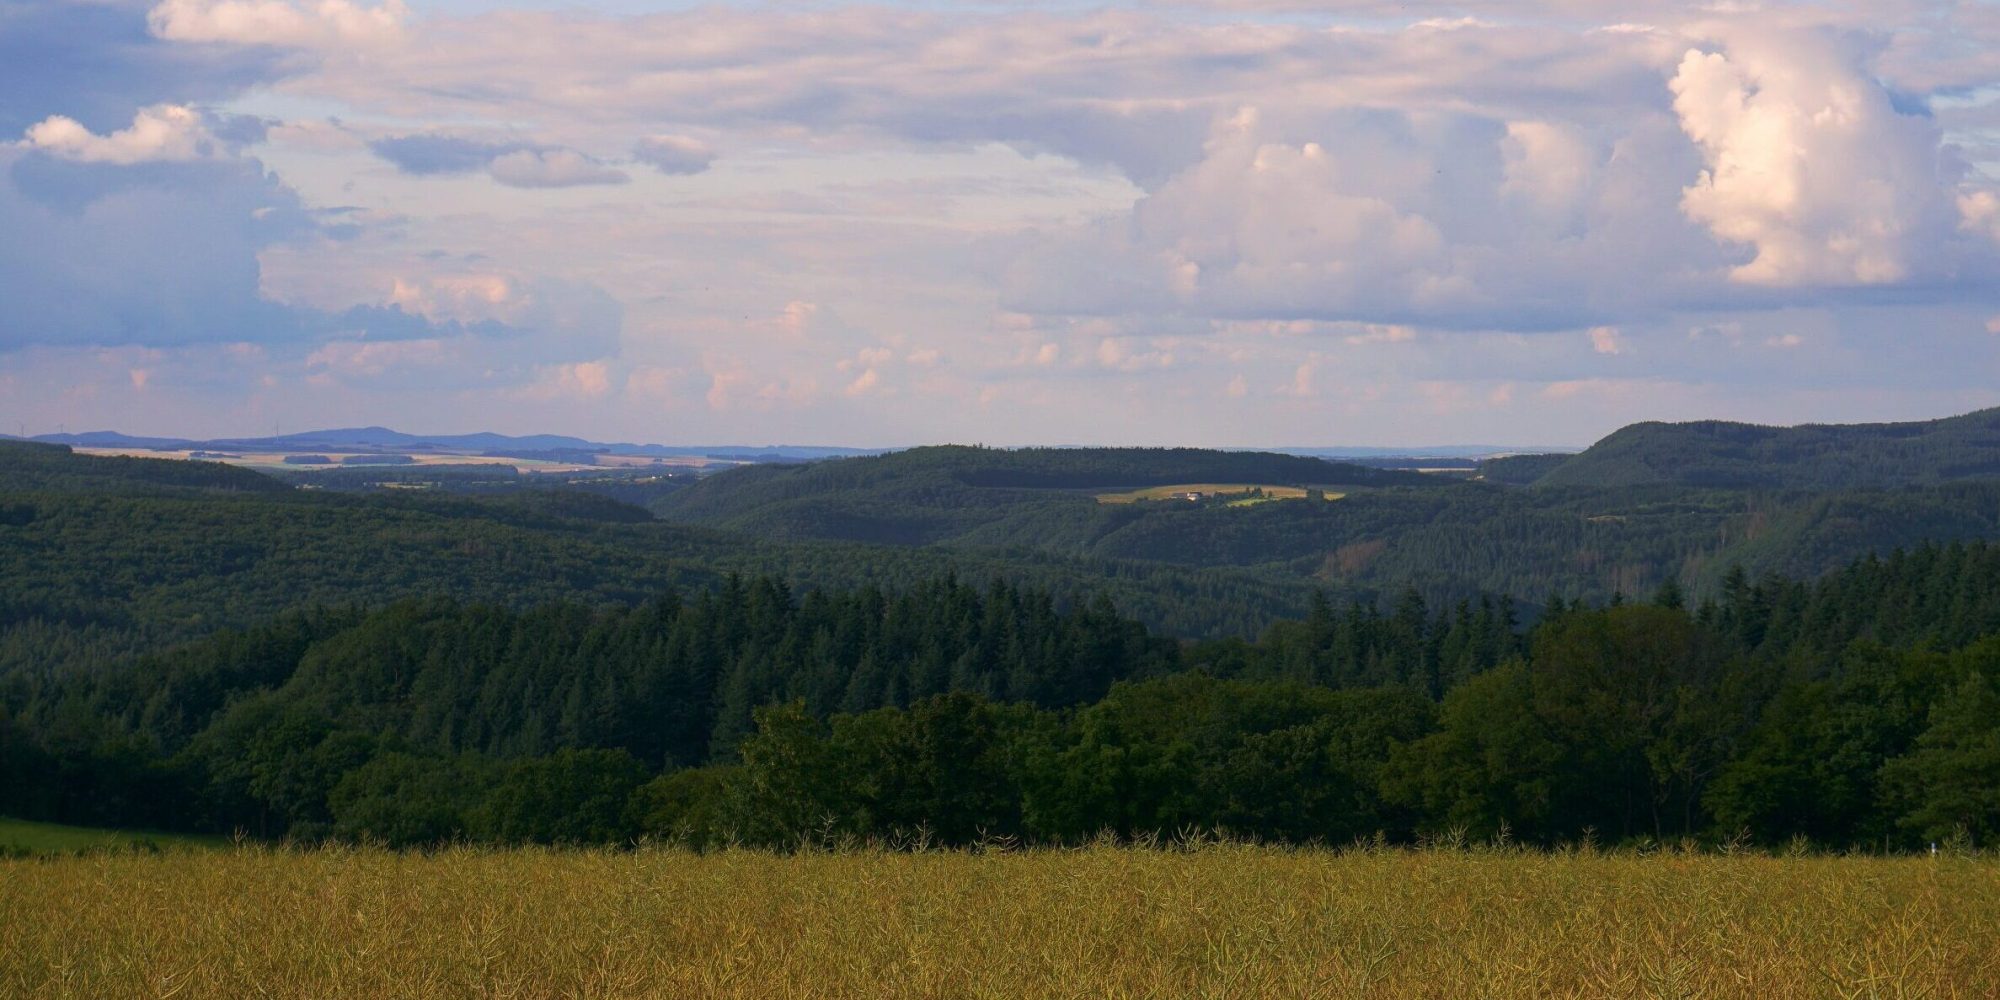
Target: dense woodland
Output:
{"points": [[1719, 454], [188, 646], [1862, 709]]}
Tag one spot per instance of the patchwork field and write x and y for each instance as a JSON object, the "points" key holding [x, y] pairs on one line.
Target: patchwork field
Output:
{"points": [[275, 460], [1240, 491], [1223, 921]]}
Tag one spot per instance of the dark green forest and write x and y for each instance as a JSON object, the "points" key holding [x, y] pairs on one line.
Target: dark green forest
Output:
{"points": [[955, 644], [1719, 454], [1860, 709], [1448, 538]]}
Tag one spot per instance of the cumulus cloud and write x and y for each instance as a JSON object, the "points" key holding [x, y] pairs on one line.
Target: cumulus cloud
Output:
{"points": [[583, 379], [1550, 166], [1392, 218], [101, 253], [864, 383], [373, 359], [163, 132], [1979, 214], [96, 63], [674, 154], [1125, 88], [325, 23], [1401, 200], [1810, 164]]}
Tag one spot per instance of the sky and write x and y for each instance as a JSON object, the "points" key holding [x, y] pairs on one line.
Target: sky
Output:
{"points": [[1202, 222]]}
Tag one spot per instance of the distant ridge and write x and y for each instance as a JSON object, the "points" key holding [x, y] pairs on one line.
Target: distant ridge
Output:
{"points": [[1721, 454], [383, 438]]}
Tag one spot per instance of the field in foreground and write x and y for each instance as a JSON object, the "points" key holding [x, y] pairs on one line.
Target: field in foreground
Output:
{"points": [[1102, 922]]}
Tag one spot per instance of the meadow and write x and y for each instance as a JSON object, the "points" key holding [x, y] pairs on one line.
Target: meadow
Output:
{"points": [[1211, 921], [1240, 491], [25, 837]]}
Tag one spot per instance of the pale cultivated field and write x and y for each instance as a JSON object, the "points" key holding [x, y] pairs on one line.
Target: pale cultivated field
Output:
{"points": [[1225, 921], [1211, 489], [276, 460]]}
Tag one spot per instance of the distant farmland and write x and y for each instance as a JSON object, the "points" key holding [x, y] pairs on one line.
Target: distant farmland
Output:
{"points": [[1238, 494]]}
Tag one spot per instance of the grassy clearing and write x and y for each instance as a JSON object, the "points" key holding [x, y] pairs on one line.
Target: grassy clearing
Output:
{"points": [[1213, 489], [24, 837], [1225, 921]]}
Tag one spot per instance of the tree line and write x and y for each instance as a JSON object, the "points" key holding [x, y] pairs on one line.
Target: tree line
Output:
{"points": [[1859, 709]]}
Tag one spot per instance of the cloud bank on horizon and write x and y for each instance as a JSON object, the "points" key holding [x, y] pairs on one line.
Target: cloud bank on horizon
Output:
{"points": [[1224, 222]]}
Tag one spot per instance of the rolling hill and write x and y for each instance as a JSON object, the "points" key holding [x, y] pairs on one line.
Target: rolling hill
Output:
{"points": [[955, 494], [1718, 454]]}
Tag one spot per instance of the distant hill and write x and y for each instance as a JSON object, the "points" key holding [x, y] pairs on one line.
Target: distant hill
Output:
{"points": [[209, 545], [364, 439], [989, 496], [54, 468], [100, 555], [1720, 455], [1520, 470]]}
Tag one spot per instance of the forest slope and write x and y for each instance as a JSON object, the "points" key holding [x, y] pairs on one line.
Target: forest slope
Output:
{"points": [[1447, 538], [1714, 453]]}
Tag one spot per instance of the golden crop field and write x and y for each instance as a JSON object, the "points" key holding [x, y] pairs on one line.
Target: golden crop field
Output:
{"points": [[1209, 489], [1217, 921]]}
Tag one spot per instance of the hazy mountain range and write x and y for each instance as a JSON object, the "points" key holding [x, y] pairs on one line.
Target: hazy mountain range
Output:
{"points": [[364, 439]]}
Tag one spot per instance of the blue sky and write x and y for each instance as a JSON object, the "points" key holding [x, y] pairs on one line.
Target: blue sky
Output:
{"points": [[1234, 222]]}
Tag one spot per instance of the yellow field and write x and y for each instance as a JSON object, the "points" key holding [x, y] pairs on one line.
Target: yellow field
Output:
{"points": [[1225, 921], [1211, 489]]}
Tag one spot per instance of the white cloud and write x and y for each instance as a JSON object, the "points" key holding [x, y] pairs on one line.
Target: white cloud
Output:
{"points": [[1446, 202], [460, 297], [865, 383], [325, 23], [797, 317], [1809, 163], [1383, 333], [375, 358], [1979, 213], [1605, 340], [1550, 166], [588, 378], [552, 168], [161, 132]]}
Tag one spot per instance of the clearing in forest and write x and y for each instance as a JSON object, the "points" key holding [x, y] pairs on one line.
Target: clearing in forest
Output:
{"points": [[18, 836], [1235, 494]]}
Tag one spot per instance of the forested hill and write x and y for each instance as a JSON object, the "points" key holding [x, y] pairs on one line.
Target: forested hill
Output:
{"points": [[945, 493], [54, 468], [100, 557], [1718, 454], [1028, 468]]}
